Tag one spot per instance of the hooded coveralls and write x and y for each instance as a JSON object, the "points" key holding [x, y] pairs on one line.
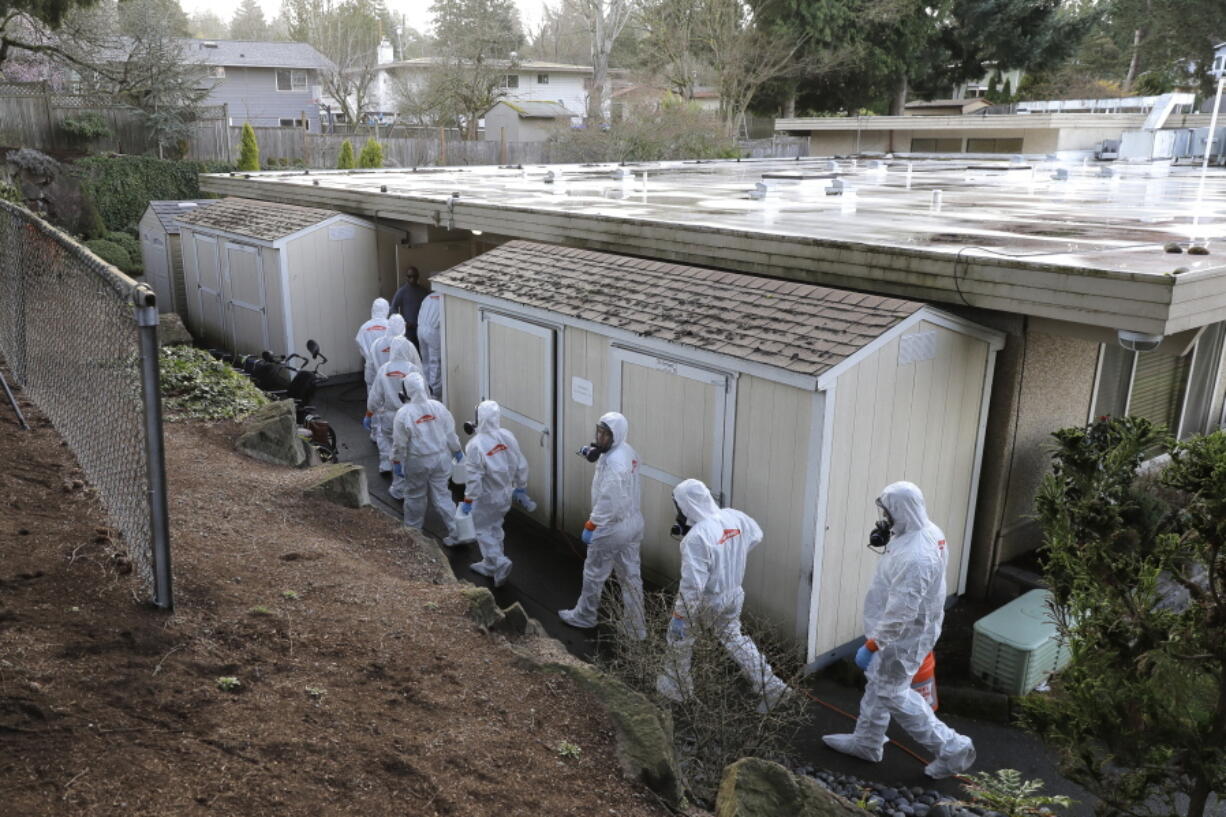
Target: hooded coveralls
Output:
{"points": [[713, 557], [429, 337], [424, 441], [371, 331], [617, 531], [903, 611], [496, 469], [383, 401]]}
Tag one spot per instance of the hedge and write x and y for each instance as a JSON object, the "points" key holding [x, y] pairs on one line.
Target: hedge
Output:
{"points": [[121, 187]]}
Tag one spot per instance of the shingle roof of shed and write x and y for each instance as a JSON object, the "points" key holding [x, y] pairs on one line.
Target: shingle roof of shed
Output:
{"points": [[168, 212], [797, 327], [257, 219]]}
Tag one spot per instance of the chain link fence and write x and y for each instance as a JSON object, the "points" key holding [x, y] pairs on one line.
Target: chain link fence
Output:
{"points": [[71, 334]]}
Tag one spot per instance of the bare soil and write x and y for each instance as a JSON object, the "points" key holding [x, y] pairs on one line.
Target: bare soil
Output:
{"points": [[365, 688]]}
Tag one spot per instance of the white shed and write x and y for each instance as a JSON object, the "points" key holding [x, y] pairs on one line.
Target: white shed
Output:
{"points": [[261, 275], [795, 403], [160, 253], [527, 121]]}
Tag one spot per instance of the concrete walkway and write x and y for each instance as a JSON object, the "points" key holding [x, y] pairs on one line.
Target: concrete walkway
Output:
{"points": [[547, 578]]}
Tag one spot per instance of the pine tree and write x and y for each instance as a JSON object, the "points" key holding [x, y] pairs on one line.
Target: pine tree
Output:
{"points": [[345, 160], [372, 154], [248, 22], [249, 150]]}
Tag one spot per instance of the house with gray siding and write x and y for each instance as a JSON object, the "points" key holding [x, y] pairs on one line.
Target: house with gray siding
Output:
{"points": [[265, 84]]}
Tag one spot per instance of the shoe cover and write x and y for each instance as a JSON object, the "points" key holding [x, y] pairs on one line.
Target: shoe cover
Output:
{"points": [[668, 688], [773, 698], [451, 542], [850, 745], [500, 578], [480, 569], [959, 758], [570, 618]]}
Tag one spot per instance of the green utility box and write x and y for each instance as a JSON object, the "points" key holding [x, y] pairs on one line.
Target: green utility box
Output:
{"points": [[1017, 647]]}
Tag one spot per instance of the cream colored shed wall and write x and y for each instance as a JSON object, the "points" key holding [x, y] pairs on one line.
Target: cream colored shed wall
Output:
{"points": [[332, 283], [190, 282], [174, 246], [585, 355], [274, 311], [460, 356], [1034, 140], [915, 422], [770, 483]]}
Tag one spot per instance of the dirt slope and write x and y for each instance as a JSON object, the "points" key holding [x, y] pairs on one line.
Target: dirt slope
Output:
{"points": [[364, 687]]}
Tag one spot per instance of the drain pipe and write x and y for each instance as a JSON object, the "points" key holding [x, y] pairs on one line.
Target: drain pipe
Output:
{"points": [[145, 301]]}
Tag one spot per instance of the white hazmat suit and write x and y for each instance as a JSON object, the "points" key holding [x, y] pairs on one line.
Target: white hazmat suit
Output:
{"points": [[383, 400], [424, 442], [616, 526], [903, 611], [710, 597], [496, 469], [429, 336], [371, 331]]}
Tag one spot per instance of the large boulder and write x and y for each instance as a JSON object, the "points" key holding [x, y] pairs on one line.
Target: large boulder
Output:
{"points": [[342, 483], [171, 331], [644, 732], [482, 608], [758, 788], [270, 435]]}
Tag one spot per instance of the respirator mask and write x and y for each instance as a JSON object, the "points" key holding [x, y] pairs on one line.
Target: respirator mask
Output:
{"points": [[681, 525], [470, 426], [601, 445], [879, 537]]}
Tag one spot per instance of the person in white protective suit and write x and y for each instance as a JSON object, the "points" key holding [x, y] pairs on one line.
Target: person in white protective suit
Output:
{"points": [[370, 331], [429, 337], [903, 611], [614, 530], [424, 444], [497, 473], [383, 401], [713, 554]]}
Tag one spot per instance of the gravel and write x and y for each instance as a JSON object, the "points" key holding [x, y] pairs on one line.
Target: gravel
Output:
{"points": [[890, 801]]}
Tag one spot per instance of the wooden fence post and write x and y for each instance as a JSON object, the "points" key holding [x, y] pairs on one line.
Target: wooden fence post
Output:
{"points": [[442, 147], [502, 146], [227, 151]]}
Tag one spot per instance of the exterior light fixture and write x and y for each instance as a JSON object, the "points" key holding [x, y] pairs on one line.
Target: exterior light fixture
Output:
{"points": [[476, 232], [1138, 341]]}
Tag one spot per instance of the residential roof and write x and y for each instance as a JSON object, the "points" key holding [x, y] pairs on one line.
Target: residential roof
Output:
{"points": [[522, 66], [537, 110], [256, 219], [792, 326], [169, 211], [255, 54]]}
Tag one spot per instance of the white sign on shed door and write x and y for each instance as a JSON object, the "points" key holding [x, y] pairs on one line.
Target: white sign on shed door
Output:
{"points": [[517, 371], [678, 416]]}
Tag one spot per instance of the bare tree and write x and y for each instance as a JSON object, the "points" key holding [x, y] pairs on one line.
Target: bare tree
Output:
{"points": [[347, 33], [456, 92], [605, 21], [669, 43]]}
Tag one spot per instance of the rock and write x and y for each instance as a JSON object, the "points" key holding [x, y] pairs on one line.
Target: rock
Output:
{"points": [[514, 620], [644, 732], [171, 331], [482, 608], [342, 483], [941, 810], [752, 787], [919, 810], [271, 435], [888, 794]]}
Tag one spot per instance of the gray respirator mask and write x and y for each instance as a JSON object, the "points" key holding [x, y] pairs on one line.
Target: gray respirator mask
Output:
{"points": [[470, 426], [681, 525], [879, 536]]}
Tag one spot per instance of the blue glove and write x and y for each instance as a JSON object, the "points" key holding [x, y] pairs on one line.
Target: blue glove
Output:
{"points": [[458, 456], [864, 657], [587, 535], [676, 628], [366, 422], [520, 496], [397, 469], [466, 508]]}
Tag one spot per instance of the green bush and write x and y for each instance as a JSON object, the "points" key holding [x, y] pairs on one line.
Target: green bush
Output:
{"points": [[86, 126], [345, 160], [196, 386], [10, 193], [121, 187], [249, 150], [110, 252], [125, 240], [372, 154]]}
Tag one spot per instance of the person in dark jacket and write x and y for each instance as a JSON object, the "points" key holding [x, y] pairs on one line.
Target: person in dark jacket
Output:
{"points": [[407, 302]]}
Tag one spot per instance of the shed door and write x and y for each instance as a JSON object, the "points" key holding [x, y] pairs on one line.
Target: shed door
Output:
{"points": [[208, 288], [518, 372], [157, 269], [244, 291], [679, 416]]}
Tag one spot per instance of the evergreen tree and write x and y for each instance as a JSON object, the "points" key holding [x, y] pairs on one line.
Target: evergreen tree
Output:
{"points": [[344, 161], [248, 22], [372, 154], [249, 150]]}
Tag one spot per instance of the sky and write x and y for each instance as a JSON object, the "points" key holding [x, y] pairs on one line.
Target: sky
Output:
{"points": [[416, 11]]}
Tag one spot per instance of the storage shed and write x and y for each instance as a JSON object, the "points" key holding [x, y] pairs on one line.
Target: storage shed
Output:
{"points": [[795, 403], [527, 121], [160, 252], [260, 275]]}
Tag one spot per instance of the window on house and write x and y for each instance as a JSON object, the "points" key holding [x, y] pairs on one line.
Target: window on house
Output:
{"points": [[291, 80], [932, 145], [1171, 390], [509, 81], [218, 71], [542, 79], [994, 145], [291, 123]]}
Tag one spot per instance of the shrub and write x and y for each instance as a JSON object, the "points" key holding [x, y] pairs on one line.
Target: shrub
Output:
{"points": [[194, 385], [110, 252], [372, 154], [121, 187], [34, 162], [249, 150], [125, 240], [86, 126], [10, 193], [345, 160], [676, 130]]}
